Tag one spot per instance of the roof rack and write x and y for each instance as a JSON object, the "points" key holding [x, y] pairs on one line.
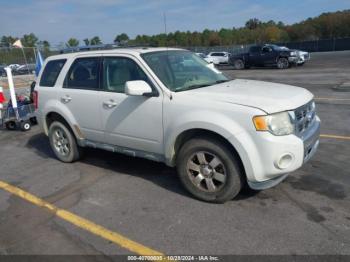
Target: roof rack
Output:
{"points": [[99, 47]]}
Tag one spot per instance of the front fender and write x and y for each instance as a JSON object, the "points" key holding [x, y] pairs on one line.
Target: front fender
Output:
{"points": [[206, 120]]}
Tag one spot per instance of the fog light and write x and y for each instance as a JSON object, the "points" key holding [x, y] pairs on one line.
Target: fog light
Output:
{"points": [[284, 161]]}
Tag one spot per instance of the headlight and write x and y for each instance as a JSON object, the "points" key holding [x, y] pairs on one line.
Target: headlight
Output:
{"points": [[279, 124]]}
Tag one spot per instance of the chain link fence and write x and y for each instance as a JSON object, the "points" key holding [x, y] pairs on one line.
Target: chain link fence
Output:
{"points": [[324, 45]]}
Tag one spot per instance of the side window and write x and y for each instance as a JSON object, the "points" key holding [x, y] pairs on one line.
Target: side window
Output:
{"points": [[254, 49], [84, 74], [51, 72], [118, 70], [266, 49]]}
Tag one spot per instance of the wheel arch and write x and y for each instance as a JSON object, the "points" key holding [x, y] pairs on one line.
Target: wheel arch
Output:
{"points": [[201, 132], [52, 116]]}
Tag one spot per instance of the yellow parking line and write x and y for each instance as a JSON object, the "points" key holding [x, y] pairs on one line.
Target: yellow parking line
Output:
{"points": [[336, 137], [83, 223]]}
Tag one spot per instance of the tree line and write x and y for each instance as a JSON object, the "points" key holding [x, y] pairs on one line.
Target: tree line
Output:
{"points": [[325, 26]]}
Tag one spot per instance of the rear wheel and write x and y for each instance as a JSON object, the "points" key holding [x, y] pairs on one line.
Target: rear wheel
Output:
{"points": [[282, 63], [11, 125], [238, 64], [63, 143], [209, 170]]}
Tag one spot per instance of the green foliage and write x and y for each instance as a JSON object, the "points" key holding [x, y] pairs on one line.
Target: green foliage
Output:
{"points": [[72, 42], [29, 40], [121, 39], [327, 25]]}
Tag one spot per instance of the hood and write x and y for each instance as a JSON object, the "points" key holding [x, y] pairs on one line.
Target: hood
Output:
{"points": [[269, 97]]}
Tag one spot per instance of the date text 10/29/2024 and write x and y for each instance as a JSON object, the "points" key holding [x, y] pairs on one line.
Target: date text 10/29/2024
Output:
{"points": [[173, 258]]}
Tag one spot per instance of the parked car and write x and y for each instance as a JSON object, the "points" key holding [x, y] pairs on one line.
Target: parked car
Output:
{"points": [[218, 58], [220, 134], [2, 71], [24, 70], [202, 55], [265, 55], [14, 66], [303, 56]]}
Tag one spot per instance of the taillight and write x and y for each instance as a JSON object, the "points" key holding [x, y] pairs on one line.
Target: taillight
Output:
{"points": [[35, 99]]}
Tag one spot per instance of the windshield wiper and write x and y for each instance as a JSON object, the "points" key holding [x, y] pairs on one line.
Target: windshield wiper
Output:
{"points": [[191, 87], [200, 85], [221, 81]]}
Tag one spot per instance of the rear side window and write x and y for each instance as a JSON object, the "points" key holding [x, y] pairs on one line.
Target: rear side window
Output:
{"points": [[255, 49], [84, 74], [51, 72]]}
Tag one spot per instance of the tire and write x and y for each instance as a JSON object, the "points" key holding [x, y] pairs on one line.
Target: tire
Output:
{"points": [[11, 125], [282, 63], [33, 121], [63, 143], [25, 125], [208, 170], [238, 64]]}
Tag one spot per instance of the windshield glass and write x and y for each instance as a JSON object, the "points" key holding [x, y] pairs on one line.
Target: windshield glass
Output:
{"points": [[183, 70], [278, 48]]}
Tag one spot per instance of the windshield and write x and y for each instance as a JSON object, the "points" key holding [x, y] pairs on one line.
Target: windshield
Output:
{"points": [[183, 70], [278, 48]]}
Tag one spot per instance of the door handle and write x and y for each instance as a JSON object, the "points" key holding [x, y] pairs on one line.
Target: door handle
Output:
{"points": [[110, 104], [66, 99]]}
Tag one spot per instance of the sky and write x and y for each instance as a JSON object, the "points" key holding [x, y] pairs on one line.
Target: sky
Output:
{"points": [[59, 20]]}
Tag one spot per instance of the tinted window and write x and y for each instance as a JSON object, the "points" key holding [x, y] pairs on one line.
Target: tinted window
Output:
{"points": [[255, 49], [118, 70], [51, 72], [266, 49], [84, 74], [217, 54]]}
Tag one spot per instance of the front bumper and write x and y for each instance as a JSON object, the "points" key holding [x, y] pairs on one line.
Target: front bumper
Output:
{"points": [[268, 159], [293, 59]]}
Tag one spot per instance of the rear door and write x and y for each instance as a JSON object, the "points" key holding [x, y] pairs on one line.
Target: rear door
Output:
{"points": [[255, 56], [133, 122], [80, 96]]}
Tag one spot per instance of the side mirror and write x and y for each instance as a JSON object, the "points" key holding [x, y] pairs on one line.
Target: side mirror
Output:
{"points": [[138, 88]]}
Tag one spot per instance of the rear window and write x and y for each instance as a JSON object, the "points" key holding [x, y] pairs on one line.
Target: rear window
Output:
{"points": [[51, 72], [84, 74]]}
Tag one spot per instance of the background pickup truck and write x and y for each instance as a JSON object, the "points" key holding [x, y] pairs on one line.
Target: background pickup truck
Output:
{"points": [[266, 55]]}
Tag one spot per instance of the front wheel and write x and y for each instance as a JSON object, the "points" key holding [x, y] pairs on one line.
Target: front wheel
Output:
{"points": [[282, 63], [25, 125], [238, 64], [63, 143], [208, 170]]}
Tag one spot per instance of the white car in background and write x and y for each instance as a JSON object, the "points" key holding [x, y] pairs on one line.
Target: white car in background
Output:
{"points": [[303, 56], [14, 66], [218, 58]]}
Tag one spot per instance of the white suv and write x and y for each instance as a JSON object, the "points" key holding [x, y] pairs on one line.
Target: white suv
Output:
{"points": [[169, 105], [218, 58]]}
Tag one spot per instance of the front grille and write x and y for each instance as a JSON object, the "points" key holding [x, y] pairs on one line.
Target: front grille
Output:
{"points": [[304, 117]]}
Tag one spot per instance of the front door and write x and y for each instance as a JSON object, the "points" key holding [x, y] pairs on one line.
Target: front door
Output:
{"points": [[133, 122]]}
